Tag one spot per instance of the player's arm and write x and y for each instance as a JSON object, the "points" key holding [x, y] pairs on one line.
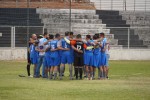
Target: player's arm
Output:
{"points": [[59, 46], [47, 48], [108, 46], [39, 50], [74, 48], [45, 43], [87, 47], [31, 41]]}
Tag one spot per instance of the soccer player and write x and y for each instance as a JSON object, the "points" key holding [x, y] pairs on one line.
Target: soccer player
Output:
{"points": [[103, 56], [54, 57], [41, 48], [96, 54], [78, 46], [88, 58], [66, 57], [29, 61], [47, 55], [107, 58], [33, 54]]}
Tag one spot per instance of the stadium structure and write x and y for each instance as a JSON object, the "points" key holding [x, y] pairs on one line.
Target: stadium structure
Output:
{"points": [[125, 25]]}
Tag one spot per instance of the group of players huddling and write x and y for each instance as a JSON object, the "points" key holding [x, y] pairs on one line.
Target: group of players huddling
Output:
{"points": [[54, 52]]}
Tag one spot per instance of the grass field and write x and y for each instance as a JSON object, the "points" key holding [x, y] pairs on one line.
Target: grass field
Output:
{"points": [[129, 80]]}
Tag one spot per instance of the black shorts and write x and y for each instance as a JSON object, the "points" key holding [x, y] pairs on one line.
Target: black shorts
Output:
{"points": [[78, 61], [29, 61]]}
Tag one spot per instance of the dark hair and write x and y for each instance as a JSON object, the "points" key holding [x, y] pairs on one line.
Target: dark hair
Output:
{"points": [[78, 36], [57, 35], [102, 34], [70, 33], [66, 33], [88, 36], [51, 36], [39, 36], [45, 33], [95, 37]]}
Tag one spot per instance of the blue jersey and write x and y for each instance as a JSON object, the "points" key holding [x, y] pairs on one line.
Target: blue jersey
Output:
{"points": [[53, 45], [33, 52], [65, 45], [103, 44], [48, 52], [96, 50], [89, 44]]}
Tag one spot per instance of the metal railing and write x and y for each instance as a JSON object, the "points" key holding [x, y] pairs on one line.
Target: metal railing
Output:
{"points": [[120, 37], [123, 5]]}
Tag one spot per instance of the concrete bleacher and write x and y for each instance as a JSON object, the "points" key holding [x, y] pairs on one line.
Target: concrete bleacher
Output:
{"points": [[140, 23], [17, 17], [117, 25], [83, 20]]}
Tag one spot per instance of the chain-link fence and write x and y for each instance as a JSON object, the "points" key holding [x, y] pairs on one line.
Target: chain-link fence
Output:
{"points": [[120, 37]]}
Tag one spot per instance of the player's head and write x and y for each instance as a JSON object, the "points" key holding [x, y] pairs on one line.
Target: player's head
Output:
{"points": [[71, 34], [51, 36], [40, 36], [94, 37], [45, 35], [78, 36], [34, 37], [57, 36], [67, 33], [88, 37], [98, 36], [102, 35]]}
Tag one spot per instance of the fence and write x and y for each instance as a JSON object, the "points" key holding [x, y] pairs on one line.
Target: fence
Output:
{"points": [[122, 37], [123, 5]]}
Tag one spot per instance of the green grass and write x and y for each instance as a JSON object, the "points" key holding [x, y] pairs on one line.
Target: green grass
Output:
{"points": [[129, 80]]}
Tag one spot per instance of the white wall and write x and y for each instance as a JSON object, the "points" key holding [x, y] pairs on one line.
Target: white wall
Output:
{"points": [[116, 54]]}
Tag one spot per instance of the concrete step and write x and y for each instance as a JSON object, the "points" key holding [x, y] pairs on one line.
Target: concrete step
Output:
{"points": [[91, 31], [64, 21], [64, 11], [66, 16]]}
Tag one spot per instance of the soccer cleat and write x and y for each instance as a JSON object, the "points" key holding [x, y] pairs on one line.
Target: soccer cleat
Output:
{"points": [[30, 76], [91, 78], [107, 77]]}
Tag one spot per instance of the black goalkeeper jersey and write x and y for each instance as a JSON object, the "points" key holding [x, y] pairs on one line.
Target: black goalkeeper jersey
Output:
{"points": [[80, 46]]}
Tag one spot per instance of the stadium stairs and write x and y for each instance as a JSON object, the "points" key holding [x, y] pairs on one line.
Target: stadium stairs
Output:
{"points": [[113, 19], [18, 17], [140, 22]]}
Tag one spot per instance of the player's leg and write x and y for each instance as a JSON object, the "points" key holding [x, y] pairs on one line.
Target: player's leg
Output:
{"points": [[101, 73], [51, 72], [62, 65], [91, 72], [107, 65], [94, 72], [28, 65], [43, 67], [80, 72], [38, 66], [46, 66], [69, 61], [76, 72], [87, 72], [76, 67], [55, 72], [91, 67], [70, 71]]}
